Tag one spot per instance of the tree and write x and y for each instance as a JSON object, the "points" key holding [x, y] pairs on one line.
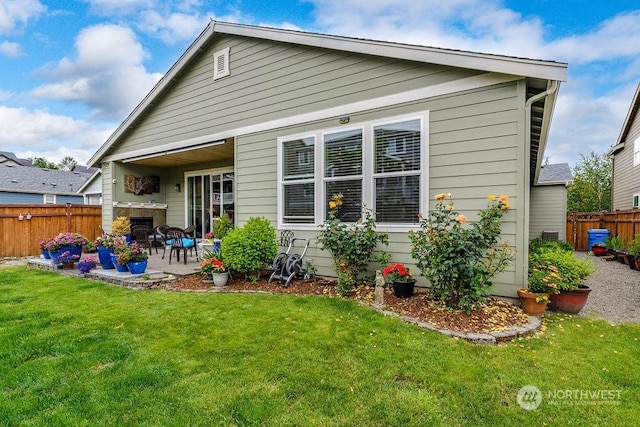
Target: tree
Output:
{"points": [[591, 187], [41, 162], [68, 163]]}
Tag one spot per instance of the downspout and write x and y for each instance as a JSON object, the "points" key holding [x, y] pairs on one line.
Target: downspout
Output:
{"points": [[527, 188]]}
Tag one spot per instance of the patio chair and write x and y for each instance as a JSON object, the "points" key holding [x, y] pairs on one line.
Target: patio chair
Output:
{"points": [[156, 237], [140, 234], [177, 240]]}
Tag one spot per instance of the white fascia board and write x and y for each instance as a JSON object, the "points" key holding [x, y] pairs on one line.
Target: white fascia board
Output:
{"points": [[463, 84], [549, 70]]}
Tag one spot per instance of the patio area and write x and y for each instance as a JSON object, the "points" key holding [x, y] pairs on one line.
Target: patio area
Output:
{"points": [[158, 273]]}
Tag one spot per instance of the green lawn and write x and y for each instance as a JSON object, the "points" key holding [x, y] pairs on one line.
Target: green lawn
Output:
{"points": [[78, 352]]}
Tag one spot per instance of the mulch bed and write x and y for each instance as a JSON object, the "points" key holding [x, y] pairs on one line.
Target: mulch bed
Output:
{"points": [[496, 316]]}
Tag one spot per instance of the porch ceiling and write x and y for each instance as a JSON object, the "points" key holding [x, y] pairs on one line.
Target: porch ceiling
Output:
{"points": [[187, 156]]}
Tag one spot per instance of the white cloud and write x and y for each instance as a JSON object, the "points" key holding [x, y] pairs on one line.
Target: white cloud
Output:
{"points": [[172, 28], [120, 7], [42, 134], [107, 74], [10, 49], [14, 13]]}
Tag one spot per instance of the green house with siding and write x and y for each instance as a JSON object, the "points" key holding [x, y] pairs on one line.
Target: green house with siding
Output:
{"points": [[255, 121]]}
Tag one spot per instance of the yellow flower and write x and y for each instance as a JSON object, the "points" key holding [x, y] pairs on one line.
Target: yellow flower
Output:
{"points": [[503, 198], [450, 207], [332, 205], [492, 197], [505, 206], [461, 219], [441, 196]]}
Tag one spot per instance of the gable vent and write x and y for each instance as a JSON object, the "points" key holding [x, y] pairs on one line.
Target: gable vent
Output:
{"points": [[221, 64]]}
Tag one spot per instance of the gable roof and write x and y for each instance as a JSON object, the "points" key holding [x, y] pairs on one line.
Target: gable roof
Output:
{"points": [[626, 125], [29, 179], [9, 158], [538, 70], [555, 174]]}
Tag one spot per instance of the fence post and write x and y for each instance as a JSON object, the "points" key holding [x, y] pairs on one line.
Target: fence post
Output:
{"points": [[68, 214]]}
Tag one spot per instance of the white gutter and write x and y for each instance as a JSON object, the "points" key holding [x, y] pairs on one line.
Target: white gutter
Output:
{"points": [[527, 124]]}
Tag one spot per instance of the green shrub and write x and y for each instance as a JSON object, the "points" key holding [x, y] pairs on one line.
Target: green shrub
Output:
{"points": [[351, 245], [250, 248], [539, 243], [570, 270], [222, 226]]}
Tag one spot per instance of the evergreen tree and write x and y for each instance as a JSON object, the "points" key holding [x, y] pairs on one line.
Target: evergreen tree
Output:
{"points": [[590, 190]]}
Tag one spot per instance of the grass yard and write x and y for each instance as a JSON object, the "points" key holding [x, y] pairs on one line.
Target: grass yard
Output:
{"points": [[79, 352]]}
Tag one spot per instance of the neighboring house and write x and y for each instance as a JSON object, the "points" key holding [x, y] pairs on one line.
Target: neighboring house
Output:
{"points": [[625, 186], [32, 185], [91, 190], [10, 159], [257, 121], [548, 213]]}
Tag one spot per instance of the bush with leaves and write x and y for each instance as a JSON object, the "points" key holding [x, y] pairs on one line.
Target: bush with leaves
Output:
{"points": [[222, 226], [250, 248], [460, 261], [351, 245], [569, 269]]}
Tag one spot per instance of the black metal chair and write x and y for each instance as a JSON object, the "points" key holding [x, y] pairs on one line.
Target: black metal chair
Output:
{"points": [[140, 235], [178, 241]]}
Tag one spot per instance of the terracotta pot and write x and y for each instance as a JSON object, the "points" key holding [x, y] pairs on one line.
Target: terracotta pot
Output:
{"points": [[620, 255], [569, 301], [599, 250], [638, 263], [67, 265], [530, 305]]}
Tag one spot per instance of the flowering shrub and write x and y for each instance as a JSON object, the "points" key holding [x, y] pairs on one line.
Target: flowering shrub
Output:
{"points": [[45, 244], [130, 252], [398, 273], [87, 264], [66, 257], [351, 245], [212, 265], [121, 226], [66, 239], [109, 241], [460, 261], [554, 265]]}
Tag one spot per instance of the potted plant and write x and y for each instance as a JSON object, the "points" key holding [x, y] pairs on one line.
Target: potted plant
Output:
{"points": [[634, 252], [87, 264], [214, 268], [613, 243], [45, 247], [133, 255], [571, 271], [66, 259], [599, 249], [401, 279], [542, 282], [67, 242], [121, 226], [106, 244]]}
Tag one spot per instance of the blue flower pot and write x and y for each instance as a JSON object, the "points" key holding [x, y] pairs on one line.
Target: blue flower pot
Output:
{"points": [[119, 267], [137, 267], [53, 255], [72, 249], [104, 255], [45, 254]]}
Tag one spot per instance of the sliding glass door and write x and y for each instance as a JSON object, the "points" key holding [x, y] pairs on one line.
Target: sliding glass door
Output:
{"points": [[209, 196]]}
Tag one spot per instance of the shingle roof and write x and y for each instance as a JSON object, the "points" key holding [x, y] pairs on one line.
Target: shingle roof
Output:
{"points": [[31, 179], [559, 173], [7, 157]]}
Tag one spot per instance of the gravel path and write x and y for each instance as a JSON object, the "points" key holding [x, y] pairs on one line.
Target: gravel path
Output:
{"points": [[615, 294]]}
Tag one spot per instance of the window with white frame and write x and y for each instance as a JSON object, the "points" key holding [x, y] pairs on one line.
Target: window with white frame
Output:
{"points": [[636, 152], [636, 201], [378, 164], [49, 199]]}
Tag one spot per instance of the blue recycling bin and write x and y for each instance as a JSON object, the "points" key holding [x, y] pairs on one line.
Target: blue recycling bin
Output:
{"points": [[596, 235]]}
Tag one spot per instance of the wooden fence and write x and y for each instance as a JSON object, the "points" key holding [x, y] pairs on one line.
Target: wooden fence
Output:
{"points": [[625, 224], [23, 226]]}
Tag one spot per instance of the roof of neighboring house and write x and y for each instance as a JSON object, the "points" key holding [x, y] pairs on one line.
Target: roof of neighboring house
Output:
{"points": [[29, 179], [539, 70], [628, 121], [7, 158], [559, 173]]}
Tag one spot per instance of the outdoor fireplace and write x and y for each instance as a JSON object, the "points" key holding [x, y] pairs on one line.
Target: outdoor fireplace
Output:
{"points": [[147, 221]]}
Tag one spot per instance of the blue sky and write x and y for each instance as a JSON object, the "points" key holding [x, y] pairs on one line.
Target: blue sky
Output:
{"points": [[71, 71]]}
